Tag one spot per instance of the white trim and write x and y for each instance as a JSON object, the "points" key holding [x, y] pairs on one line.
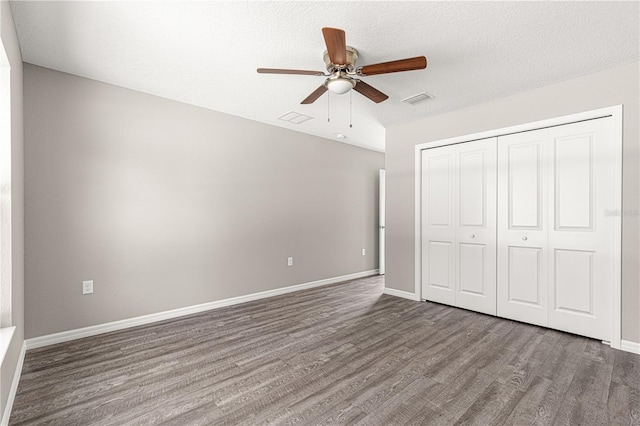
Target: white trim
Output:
{"points": [[6, 334], [418, 224], [382, 221], [14, 387], [525, 127], [616, 249], [6, 211], [628, 346], [65, 336], [401, 293], [616, 113]]}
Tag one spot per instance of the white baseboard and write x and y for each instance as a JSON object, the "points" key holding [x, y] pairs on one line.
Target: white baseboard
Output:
{"points": [[629, 346], [400, 293], [14, 387], [65, 336]]}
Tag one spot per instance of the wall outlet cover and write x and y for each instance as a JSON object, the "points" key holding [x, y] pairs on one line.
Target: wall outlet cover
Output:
{"points": [[87, 287]]}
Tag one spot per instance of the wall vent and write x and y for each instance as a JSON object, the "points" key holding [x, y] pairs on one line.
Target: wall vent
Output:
{"points": [[416, 99], [294, 117]]}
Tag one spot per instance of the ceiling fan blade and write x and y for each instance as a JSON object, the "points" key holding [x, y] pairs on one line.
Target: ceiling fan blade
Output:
{"points": [[417, 63], [336, 42], [370, 92], [287, 71], [315, 95]]}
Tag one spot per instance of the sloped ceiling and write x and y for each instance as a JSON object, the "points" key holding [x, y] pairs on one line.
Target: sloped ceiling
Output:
{"points": [[206, 53]]}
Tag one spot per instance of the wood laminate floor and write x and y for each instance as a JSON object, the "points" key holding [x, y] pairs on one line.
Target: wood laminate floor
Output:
{"points": [[341, 354]]}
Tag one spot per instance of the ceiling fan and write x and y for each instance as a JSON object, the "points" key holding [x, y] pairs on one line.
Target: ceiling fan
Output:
{"points": [[342, 71]]}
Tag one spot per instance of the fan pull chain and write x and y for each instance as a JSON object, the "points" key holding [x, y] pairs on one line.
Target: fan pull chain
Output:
{"points": [[328, 108], [350, 109]]}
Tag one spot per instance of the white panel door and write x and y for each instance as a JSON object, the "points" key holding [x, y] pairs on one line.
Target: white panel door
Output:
{"points": [[475, 220], [581, 193], [522, 227], [438, 226], [458, 225]]}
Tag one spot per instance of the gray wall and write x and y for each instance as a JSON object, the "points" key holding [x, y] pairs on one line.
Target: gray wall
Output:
{"points": [[166, 205], [608, 88], [10, 43]]}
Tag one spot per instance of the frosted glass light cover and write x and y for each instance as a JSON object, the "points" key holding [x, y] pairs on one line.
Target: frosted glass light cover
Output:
{"points": [[340, 85]]}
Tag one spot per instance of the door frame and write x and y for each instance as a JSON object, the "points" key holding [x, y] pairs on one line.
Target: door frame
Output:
{"points": [[382, 221], [616, 241]]}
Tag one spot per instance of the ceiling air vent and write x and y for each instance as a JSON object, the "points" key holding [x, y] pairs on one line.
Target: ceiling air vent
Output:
{"points": [[294, 117], [416, 99]]}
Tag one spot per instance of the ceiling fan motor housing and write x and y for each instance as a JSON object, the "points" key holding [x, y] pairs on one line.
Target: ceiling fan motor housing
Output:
{"points": [[350, 66]]}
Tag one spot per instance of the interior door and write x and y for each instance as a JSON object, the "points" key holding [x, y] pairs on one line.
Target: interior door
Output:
{"points": [[522, 227], [475, 219], [438, 225], [459, 225], [382, 221], [582, 178]]}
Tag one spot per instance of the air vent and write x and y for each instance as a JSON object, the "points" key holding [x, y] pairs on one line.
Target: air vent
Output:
{"points": [[416, 99], [294, 117]]}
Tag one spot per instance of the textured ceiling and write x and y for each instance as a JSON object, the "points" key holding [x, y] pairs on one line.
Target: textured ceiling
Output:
{"points": [[206, 53]]}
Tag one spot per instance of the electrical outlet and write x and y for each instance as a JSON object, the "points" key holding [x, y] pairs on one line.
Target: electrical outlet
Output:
{"points": [[87, 287], [290, 261], [363, 252]]}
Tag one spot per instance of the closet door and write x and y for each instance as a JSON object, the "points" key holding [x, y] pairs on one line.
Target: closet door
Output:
{"points": [[522, 227], [475, 231], [581, 193], [458, 225], [438, 226]]}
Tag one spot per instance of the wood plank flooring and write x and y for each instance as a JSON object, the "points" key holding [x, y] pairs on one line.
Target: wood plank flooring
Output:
{"points": [[335, 355]]}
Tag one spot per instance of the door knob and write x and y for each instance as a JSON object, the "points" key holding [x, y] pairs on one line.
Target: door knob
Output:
{"points": [[524, 238], [381, 226], [473, 235]]}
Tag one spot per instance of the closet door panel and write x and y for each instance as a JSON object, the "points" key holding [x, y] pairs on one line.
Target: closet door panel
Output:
{"points": [[438, 227], [440, 259], [472, 270], [524, 174], [472, 178], [574, 281], [581, 193], [522, 227], [476, 226], [574, 186], [525, 276]]}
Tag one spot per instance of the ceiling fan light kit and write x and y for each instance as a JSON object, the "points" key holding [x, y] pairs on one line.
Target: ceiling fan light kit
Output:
{"points": [[340, 83], [340, 61]]}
